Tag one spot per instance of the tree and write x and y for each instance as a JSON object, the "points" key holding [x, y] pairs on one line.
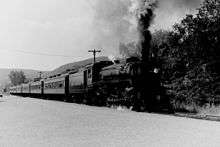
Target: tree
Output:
{"points": [[194, 48], [200, 34], [17, 77]]}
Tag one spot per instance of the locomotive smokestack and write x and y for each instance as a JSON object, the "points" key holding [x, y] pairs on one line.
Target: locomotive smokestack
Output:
{"points": [[145, 16]]}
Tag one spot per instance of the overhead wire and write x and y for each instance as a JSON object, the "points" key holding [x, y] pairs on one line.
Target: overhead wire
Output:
{"points": [[47, 54], [39, 53]]}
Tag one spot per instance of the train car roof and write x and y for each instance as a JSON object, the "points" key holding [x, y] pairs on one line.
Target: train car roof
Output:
{"points": [[56, 76], [107, 63], [114, 66]]}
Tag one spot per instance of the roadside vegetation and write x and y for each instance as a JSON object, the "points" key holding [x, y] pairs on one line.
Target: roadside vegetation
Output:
{"points": [[188, 58], [17, 77]]}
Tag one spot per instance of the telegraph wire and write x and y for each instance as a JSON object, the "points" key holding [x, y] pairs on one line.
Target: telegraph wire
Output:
{"points": [[39, 53]]}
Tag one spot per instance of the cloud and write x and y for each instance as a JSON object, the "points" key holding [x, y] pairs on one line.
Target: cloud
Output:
{"points": [[171, 11], [45, 26], [186, 3], [73, 27], [113, 23]]}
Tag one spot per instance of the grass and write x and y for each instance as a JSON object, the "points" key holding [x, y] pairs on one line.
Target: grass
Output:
{"points": [[206, 109], [209, 110]]}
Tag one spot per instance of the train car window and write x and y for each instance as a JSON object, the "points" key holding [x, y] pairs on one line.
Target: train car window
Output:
{"points": [[89, 73], [53, 85], [60, 85]]}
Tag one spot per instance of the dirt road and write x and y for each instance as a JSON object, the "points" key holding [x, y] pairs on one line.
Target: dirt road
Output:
{"points": [[34, 122]]}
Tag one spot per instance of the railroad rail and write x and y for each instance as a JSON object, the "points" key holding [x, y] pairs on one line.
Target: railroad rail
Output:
{"points": [[198, 116]]}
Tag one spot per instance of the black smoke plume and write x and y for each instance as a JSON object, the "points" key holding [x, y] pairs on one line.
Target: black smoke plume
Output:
{"points": [[145, 16]]}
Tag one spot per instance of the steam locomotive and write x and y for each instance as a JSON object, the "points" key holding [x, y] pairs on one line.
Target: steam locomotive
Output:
{"points": [[102, 83]]}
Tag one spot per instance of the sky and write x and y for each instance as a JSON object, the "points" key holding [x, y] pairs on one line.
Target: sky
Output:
{"points": [[45, 34]]}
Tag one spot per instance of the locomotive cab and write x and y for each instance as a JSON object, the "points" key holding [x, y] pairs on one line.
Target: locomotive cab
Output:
{"points": [[92, 80], [92, 72]]}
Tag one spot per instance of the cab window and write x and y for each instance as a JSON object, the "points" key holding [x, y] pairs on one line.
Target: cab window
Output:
{"points": [[89, 73]]}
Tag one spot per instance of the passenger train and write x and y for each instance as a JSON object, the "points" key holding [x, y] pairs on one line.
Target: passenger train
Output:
{"points": [[102, 83]]}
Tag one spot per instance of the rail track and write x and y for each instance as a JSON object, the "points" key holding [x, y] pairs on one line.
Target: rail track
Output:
{"points": [[182, 114], [198, 116]]}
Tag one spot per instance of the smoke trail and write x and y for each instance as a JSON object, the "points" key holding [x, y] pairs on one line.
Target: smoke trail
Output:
{"points": [[113, 23], [170, 12], [145, 15], [124, 21]]}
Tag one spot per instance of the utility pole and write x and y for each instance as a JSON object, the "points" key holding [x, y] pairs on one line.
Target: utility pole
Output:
{"points": [[94, 53]]}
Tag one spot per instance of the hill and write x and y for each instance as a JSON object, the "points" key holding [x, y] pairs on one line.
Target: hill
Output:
{"points": [[73, 66]]}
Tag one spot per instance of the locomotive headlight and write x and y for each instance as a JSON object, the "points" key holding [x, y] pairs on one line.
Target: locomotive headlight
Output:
{"points": [[156, 70]]}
